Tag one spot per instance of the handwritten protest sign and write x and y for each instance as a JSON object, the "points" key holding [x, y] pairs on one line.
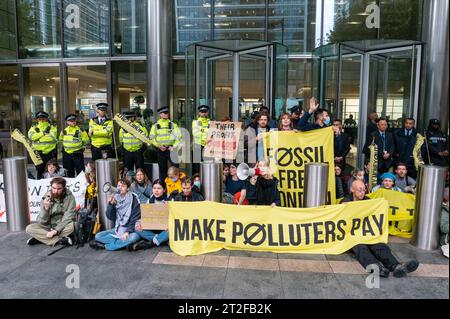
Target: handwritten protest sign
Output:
{"points": [[155, 216], [223, 140]]}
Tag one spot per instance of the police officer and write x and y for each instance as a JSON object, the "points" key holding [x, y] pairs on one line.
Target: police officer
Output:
{"points": [[165, 137], [200, 129], [296, 114], [133, 148], [101, 131], [45, 140], [437, 151], [74, 140]]}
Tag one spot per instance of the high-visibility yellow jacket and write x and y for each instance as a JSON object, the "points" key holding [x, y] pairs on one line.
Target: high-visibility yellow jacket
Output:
{"points": [[101, 134], [174, 186], [73, 139], [44, 137], [130, 142], [165, 133], [200, 128]]}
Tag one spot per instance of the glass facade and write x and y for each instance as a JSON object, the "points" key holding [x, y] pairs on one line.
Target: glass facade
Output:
{"points": [[7, 30]]}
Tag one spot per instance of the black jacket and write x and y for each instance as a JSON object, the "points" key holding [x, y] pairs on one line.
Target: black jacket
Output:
{"points": [[111, 213], [437, 142], [195, 197], [390, 147], [341, 145], [349, 198], [304, 126], [404, 146]]}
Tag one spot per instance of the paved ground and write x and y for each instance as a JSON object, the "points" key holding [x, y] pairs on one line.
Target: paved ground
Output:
{"points": [[27, 272]]}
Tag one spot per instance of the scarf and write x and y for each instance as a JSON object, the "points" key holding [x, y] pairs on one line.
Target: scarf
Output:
{"points": [[265, 192], [123, 212]]}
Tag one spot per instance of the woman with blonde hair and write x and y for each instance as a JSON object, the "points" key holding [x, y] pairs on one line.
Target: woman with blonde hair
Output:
{"points": [[266, 186]]}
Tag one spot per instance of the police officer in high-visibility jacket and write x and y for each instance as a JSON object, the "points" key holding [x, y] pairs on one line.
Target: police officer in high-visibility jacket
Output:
{"points": [[165, 137], [133, 148], [101, 133], [74, 140], [200, 128], [45, 140]]}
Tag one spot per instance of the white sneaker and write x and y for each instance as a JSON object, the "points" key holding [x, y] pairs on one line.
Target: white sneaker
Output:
{"points": [[445, 250]]}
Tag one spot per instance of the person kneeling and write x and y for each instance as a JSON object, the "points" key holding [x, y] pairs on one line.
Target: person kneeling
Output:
{"points": [[55, 220], [124, 210], [377, 255]]}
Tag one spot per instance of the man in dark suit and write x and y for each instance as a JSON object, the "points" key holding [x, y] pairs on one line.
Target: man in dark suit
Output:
{"points": [[372, 125], [341, 143], [405, 140], [386, 147]]}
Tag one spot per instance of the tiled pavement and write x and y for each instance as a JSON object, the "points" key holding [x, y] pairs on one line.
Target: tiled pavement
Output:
{"points": [[27, 272]]}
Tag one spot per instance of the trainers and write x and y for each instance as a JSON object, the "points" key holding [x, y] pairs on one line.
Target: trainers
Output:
{"points": [[65, 241], [383, 271], [32, 241], [96, 245], [143, 244], [401, 270]]}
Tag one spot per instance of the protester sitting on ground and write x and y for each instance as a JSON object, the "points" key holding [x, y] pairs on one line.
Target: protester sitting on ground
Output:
{"points": [[53, 170], [124, 210], [173, 180], [234, 185], [56, 216], [285, 123], [444, 224], [251, 189], [339, 184], [187, 195], [150, 238], [387, 182], [402, 181], [197, 183], [226, 171], [141, 186], [377, 255], [267, 193], [358, 174]]}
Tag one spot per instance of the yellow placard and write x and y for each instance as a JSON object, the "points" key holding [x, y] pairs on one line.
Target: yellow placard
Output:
{"points": [[204, 227], [155, 216]]}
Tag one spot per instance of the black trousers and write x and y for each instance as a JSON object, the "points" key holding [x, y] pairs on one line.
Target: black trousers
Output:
{"points": [[375, 254], [45, 158], [97, 152], [163, 158], [197, 158], [73, 163], [134, 159]]}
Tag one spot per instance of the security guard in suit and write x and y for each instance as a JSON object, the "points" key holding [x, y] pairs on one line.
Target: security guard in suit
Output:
{"points": [[101, 132], [200, 128], [165, 137], [133, 148], [74, 140], [45, 140]]}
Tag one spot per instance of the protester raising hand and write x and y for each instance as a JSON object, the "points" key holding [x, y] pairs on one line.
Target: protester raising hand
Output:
{"points": [[313, 105]]}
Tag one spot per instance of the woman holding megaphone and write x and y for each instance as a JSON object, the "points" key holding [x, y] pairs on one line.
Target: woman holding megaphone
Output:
{"points": [[266, 186]]}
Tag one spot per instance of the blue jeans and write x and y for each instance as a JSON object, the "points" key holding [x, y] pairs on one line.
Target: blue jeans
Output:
{"points": [[158, 239], [112, 243]]}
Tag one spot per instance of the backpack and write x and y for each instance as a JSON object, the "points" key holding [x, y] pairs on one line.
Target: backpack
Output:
{"points": [[84, 226]]}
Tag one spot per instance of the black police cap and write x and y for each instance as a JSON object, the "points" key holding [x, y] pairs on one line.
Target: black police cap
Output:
{"points": [[203, 108], [435, 121], [41, 114], [128, 114], [295, 109], [102, 106], [163, 109], [71, 117]]}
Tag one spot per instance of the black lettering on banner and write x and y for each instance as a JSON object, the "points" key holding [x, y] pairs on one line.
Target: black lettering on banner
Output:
{"points": [[367, 228], [317, 233], [181, 232], [322, 155], [237, 231], [295, 237], [292, 179], [76, 187], [340, 226], [249, 236], [281, 235], [306, 227], [36, 190], [299, 160], [220, 230], [280, 160], [281, 178], [356, 224], [379, 222], [306, 151], [270, 236], [393, 210], [207, 229], [411, 211], [196, 230], [330, 231], [2, 187]]}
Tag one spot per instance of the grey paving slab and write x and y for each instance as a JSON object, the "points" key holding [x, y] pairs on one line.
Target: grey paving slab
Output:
{"points": [[406, 252], [248, 284], [209, 282], [302, 256], [298, 285], [347, 256]]}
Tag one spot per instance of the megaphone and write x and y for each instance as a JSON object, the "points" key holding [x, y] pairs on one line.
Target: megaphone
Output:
{"points": [[244, 171], [108, 188]]}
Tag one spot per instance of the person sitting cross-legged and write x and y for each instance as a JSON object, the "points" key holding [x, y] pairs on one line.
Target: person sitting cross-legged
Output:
{"points": [[124, 210], [377, 255]]}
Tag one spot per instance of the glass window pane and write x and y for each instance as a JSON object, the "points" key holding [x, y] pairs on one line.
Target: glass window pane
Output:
{"points": [[38, 27], [234, 19], [193, 22], [128, 27], [7, 30], [9, 107], [293, 23], [408, 12], [87, 87], [87, 33]]}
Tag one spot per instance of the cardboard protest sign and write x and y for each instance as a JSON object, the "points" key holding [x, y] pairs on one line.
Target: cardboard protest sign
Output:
{"points": [[223, 140], [155, 216]]}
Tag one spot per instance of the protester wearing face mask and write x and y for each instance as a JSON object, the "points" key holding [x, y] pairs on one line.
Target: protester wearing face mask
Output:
{"points": [[196, 184], [321, 117], [173, 180]]}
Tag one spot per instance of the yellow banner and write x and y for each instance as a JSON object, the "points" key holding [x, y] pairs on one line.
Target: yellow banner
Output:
{"points": [[204, 227], [290, 151], [401, 211]]}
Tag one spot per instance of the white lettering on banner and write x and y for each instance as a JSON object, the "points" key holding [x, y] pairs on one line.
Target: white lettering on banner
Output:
{"points": [[38, 188]]}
